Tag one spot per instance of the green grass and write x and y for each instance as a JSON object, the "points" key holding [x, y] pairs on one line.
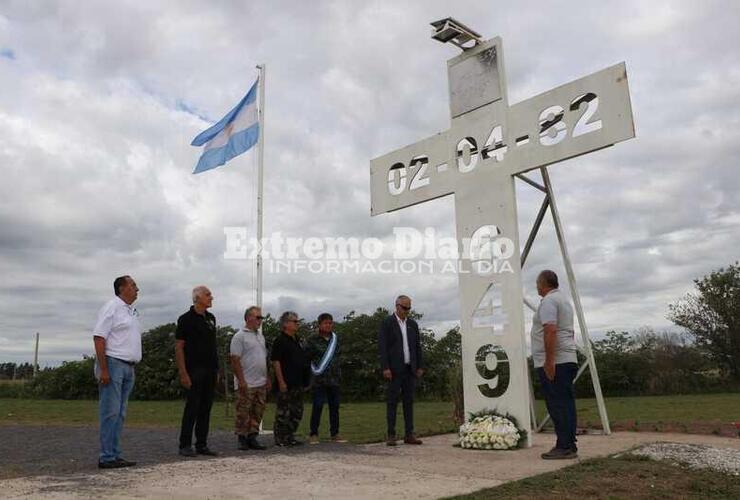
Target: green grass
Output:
{"points": [[625, 477], [683, 409], [360, 422], [365, 422]]}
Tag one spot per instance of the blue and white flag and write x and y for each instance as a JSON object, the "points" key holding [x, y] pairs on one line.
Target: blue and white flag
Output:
{"points": [[233, 135]]}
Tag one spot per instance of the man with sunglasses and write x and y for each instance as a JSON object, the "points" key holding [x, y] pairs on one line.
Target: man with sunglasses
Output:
{"points": [[399, 343], [249, 363], [292, 376]]}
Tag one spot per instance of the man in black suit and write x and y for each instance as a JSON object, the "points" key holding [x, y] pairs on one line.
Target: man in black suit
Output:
{"points": [[399, 343]]}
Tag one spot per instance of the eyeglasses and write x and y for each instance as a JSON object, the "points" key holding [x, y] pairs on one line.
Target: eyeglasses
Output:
{"points": [[260, 318], [405, 308]]}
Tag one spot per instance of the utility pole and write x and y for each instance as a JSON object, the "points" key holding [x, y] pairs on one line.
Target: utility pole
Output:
{"points": [[226, 385], [36, 357]]}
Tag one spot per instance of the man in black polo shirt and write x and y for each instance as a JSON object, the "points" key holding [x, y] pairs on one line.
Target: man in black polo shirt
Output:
{"points": [[197, 362], [292, 375]]}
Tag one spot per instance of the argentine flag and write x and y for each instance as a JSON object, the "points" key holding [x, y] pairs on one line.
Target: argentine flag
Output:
{"points": [[234, 134]]}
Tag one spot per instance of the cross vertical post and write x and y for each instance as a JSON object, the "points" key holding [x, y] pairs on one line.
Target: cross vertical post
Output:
{"points": [[477, 159]]}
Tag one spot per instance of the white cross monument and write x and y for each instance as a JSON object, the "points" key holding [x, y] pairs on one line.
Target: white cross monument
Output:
{"points": [[488, 143]]}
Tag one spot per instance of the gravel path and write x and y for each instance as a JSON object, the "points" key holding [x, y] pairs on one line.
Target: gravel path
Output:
{"points": [[60, 462], [37, 450], [696, 456]]}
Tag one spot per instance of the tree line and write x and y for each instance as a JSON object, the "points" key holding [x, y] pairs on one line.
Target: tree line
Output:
{"points": [[156, 374], [15, 371], [706, 358]]}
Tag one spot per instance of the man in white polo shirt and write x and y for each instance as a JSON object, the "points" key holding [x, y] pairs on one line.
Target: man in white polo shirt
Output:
{"points": [[117, 337], [249, 363], [554, 356]]}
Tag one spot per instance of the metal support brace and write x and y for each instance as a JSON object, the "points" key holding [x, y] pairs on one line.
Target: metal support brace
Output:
{"points": [[532, 183], [577, 303], [535, 229], [549, 202]]}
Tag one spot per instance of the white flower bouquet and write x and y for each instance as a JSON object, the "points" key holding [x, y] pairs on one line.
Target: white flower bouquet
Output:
{"points": [[487, 430]]}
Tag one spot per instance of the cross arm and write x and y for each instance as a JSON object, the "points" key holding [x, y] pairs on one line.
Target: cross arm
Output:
{"points": [[411, 175], [579, 117]]}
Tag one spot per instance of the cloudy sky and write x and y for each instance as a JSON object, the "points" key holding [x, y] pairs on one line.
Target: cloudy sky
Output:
{"points": [[99, 102]]}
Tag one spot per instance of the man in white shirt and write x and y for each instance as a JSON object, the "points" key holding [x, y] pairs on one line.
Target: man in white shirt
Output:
{"points": [[249, 363], [117, 338]]}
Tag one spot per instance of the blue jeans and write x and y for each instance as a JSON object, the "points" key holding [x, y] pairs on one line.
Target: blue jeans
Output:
{"points": [[113, 402], [321, 395], [561, 403]]}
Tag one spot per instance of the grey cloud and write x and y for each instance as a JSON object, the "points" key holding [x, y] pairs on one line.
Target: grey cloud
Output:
{"points": [[99, 106]]}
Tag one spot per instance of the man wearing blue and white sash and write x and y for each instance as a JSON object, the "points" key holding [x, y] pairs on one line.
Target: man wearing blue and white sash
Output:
{"points": [[323, 352]]}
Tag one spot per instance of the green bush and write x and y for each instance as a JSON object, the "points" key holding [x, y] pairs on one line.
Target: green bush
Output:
{"points": [[648, 363], [13, 389], [71, 380], [157, 377], [637, 364]]}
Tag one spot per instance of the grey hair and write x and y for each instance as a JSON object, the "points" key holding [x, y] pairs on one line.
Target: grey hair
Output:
{"points": [[250, 310], [286, 317], [401, 297], [549, 278], [197, 291]]}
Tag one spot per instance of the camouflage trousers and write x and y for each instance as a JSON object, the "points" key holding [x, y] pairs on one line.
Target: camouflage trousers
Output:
{"points": [[288, 414], [249, 410]]}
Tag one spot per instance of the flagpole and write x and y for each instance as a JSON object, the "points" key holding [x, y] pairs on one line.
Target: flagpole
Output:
{"points": [[260, 161]]}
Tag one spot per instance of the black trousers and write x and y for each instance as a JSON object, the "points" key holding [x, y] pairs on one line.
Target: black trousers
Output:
{"points": [[404, 385], [197, 411], [323, 394]]}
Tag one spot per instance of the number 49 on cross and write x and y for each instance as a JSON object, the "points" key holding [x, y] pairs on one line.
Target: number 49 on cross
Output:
{"points": [[488, 143]]}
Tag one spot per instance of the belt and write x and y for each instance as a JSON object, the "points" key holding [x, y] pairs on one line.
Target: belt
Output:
{"points": [[130, 363]]}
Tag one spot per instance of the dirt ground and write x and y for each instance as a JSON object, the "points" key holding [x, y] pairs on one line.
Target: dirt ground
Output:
{"points": [[49, 468]]}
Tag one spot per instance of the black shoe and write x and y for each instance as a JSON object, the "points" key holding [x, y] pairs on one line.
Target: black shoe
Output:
{"points": [[125, 463], [113, 464], [243, 442], [391, 440], [559, 454], [411, 439], [206, 451], [187, 452], [253, 444], [294, 442]]}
